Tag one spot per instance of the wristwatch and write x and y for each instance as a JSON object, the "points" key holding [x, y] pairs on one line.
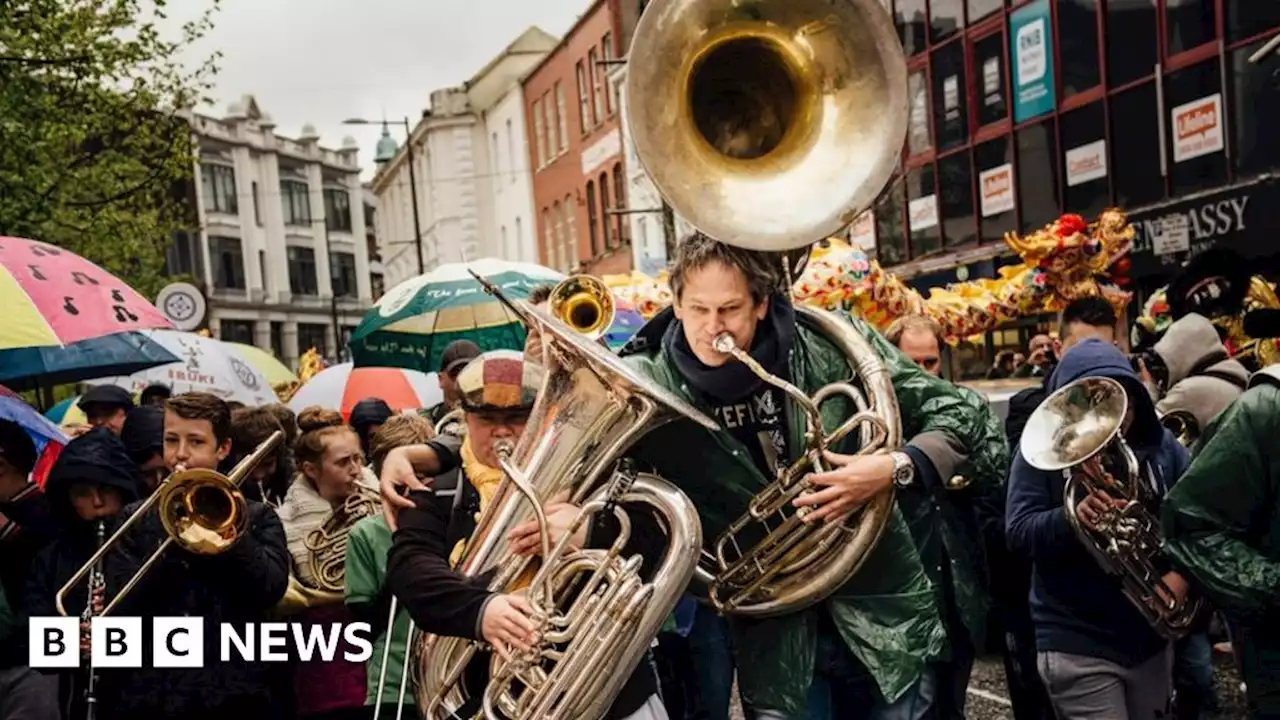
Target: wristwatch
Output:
{"points": [[904, 470]]}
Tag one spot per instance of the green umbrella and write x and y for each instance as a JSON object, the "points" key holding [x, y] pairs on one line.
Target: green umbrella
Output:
{"points": [[415, 321]]}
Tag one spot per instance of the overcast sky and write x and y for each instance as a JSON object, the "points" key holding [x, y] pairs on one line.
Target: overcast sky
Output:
{"points": [[322, 61]]}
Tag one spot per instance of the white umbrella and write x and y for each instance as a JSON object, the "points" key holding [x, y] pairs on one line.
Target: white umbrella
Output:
{"points": [[208, 365]]}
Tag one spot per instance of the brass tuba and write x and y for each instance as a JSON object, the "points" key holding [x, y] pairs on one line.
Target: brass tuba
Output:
{"points": [[1183, 425], [770, 126], [1077, 430], [327, 544], [596, 614]]}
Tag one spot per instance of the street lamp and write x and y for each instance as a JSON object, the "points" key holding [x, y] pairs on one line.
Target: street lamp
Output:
{"points": [[385, 153]]}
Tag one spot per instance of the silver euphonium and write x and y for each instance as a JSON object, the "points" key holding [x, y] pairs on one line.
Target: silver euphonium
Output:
{"points": [[1078, 430], [596, 615]]}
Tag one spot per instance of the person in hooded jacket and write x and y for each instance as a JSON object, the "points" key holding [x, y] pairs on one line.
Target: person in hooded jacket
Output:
{"points": [[1097, 655], [143, 438], [1221, 523], [92, 481], [1203, 380]]}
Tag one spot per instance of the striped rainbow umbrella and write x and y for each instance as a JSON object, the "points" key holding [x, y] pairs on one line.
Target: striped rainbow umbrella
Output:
{"points": [[340, 387], [416, 320]]}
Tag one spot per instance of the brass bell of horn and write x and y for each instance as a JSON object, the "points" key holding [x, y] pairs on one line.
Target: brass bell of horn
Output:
{"points": [[768, 125], [584, 303]]}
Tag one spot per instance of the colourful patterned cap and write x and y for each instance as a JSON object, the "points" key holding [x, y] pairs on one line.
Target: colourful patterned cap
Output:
{"points": [[499, 380]]}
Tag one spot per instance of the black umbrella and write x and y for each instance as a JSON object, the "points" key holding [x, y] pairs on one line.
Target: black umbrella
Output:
{"points": [[117, 354]]}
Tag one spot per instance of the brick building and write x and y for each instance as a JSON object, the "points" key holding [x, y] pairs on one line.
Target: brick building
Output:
{"points": [[575, 148]]}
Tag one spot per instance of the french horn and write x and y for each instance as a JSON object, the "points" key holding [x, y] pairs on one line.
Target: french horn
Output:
{"points": [[327, 545], [1077, 430]]}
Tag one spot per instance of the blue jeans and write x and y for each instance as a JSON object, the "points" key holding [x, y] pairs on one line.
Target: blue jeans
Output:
{"points": [[1193, 677], [842, 688], [711, 654]]}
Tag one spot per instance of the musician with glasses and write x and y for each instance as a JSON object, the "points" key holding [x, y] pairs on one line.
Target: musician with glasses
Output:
{"points": [[238, 586], [866, 650], [497, 392], [1222, 525], [1097, 654]]}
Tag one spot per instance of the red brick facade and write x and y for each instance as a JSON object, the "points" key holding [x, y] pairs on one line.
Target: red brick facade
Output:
{"points": [[575, 149]]}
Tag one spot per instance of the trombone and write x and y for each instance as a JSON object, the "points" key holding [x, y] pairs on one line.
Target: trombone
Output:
{"points": [[201, 510]]}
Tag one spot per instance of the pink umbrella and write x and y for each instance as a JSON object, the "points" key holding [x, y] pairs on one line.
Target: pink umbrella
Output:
{"points": [[51, 296], [340, 387]]}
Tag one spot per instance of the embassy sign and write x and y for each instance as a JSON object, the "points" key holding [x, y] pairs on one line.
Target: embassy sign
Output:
{"points": [[1243, 218]]}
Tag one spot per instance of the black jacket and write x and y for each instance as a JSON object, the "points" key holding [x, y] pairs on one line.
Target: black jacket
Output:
{"points": [[31, 528], [442, 601], [238, 586]]}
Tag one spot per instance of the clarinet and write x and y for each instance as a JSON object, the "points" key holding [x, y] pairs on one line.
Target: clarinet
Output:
{"points": [[97, 585]]}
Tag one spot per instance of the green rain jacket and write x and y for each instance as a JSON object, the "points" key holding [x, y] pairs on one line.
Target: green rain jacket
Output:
{"points": [[949, 525], [1221, 523], [887, 613]]}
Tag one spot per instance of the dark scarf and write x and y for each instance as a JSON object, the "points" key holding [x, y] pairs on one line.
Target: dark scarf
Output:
{"points": [[734, 381]]}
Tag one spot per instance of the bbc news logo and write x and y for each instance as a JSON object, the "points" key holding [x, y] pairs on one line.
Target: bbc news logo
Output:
{"points": [[179, 642]]}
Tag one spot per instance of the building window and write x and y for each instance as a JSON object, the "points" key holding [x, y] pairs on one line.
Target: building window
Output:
{"points": [[918, 137], [519, 248], [571, 222], [597, 91], [1135, 147], [562, 120], [1255, 112], [911, 19], [922, 208], [218, 183], [955, 199], [947, 17], [511, 151], [302, 272], [1189, 24], [342, 265], [1194, 100], [610, 102], [584, 101], [227, 260], [311, 335], [620, 202], [591, 219], [257, 210], [988, 158], [1087, 189], [295, 200], [606, 220], [337, 210], [1037, 175], [989, 67], [496, 161], [182, 257], [277, 339], [557, 217], [553, 126], [262, 269], [950, 111], [1246, 18], [979, 9], [1131, 41], [548, 242], [1077, 38], [504, 248], [377, 285], [236, 331], [539, 134], [891, 237]]}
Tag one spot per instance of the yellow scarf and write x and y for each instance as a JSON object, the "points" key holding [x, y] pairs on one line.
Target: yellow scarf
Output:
{"points": [[485, 479]]}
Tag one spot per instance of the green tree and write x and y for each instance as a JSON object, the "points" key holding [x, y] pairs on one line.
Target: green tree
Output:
{"points": [[95, 155]]}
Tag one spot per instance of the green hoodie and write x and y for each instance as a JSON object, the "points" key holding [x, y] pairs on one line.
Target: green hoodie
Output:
{"points": [[366, 572], [887, 613]]}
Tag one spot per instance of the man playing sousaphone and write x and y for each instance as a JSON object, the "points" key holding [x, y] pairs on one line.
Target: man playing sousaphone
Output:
{"points": [[864, 651], [497, 393]]}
